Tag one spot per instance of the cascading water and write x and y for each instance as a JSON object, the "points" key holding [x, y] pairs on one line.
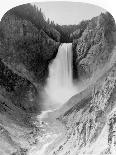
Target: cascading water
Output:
{"points": [[59, 88], [60, 82]]}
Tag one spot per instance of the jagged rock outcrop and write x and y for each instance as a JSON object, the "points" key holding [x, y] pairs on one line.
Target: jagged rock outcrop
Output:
{"points": [[88, 126], [87, 121], [93, 49]]}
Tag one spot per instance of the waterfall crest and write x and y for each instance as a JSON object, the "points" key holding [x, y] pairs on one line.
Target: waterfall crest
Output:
{"points": [[60, 81]]}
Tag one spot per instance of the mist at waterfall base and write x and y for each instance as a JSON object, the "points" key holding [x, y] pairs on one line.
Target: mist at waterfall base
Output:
{"points": [[60, 87]]}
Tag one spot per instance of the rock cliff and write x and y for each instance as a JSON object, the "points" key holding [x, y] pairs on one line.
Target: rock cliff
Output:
{"points": [[86, 123]]}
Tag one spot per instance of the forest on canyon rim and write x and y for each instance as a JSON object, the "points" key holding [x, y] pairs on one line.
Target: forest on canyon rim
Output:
{"points": [[28, 44]]}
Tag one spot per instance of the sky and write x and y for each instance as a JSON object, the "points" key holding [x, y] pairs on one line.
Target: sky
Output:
{"points": [[69, 12]]}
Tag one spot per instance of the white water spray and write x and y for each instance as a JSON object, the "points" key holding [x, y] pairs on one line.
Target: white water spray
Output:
{"points": [[60, 86]]}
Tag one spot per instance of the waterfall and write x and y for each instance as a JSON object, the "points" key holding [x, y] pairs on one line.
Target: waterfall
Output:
{"points": [[59, 88], [60, 81]]}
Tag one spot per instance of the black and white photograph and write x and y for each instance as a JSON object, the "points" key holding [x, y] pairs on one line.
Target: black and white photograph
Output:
{"points": [[57, 79]]}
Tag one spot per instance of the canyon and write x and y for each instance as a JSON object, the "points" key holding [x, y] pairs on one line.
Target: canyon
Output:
{"points": [[57, 85]]}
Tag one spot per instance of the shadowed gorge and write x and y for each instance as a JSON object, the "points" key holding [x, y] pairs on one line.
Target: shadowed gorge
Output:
{"points": [[57, 84]]}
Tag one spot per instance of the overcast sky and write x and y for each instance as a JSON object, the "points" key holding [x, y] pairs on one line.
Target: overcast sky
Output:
{"points": [[69, 12]]}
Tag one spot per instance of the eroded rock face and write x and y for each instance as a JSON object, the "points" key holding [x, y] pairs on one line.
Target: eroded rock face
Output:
{"points": [[93, 49], [26, 49], [85, 122], [25, 54]]}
